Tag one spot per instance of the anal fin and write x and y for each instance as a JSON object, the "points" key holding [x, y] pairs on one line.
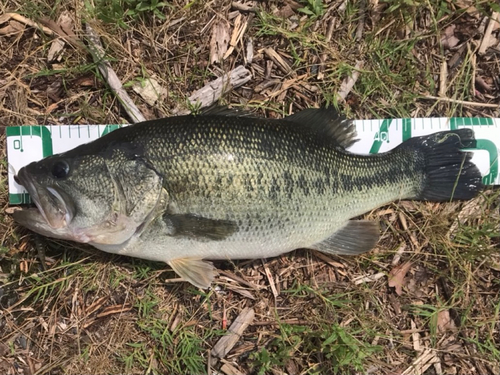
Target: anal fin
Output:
{"points": [[356, 237], [198, 272]]}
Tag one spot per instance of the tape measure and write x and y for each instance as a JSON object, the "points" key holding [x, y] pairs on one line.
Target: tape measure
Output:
{"points": [[26, 144]]}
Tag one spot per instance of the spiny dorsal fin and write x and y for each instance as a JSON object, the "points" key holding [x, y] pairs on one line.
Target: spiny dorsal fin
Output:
{"points": [[326, 123]]}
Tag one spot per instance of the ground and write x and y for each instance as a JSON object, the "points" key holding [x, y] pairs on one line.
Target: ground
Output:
{"points": [[425, 300]]}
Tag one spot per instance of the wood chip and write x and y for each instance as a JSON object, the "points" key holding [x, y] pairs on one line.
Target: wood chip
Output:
{"points": [[249, 55], [227, 342], [278, 60], [240, 27], [109, 74], [422, 363], [219, 42], [229, 369], [443, 76], [270, 278], [488, 39], [415, 335]]}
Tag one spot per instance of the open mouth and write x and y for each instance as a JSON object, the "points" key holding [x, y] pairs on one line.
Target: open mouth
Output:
{"points": [[54, 205]]}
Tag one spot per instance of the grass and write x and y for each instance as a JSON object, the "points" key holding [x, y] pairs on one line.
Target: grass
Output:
{"points": [[81, 310]]}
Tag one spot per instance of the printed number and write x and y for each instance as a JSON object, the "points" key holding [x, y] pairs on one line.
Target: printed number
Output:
{"points": [[382, 136], [17, 144]]}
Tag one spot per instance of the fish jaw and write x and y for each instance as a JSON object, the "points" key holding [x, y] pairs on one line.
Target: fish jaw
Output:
{"points": [[55, 206], [34, 220]]}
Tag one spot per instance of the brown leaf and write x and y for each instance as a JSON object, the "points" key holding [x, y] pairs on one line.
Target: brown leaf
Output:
{"points": [[397, 276], [13, 27], [448, 39], [444, 321], [468, 5]]}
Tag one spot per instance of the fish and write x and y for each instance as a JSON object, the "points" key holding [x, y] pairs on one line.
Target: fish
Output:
{"points": [[224, 185]]}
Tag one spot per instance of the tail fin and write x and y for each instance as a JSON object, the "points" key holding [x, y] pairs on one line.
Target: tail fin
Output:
{"points": [[448, 171]]}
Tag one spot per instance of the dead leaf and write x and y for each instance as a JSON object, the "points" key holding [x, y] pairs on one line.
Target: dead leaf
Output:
{"points": [[65, 23], [468, 5], [397, 276], [448, 39], [219, 41], [150, 90], [13, 27], [444, 321]]}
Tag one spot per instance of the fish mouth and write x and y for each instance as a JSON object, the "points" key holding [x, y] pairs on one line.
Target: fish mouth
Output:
{"points": [[55, 206]]}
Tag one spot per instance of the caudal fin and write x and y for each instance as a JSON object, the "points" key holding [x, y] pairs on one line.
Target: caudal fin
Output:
{"points": [[448, 172]]}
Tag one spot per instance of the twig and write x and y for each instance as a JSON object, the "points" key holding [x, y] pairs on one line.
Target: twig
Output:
{"points": [[270, 279], [485, 43], [463, 102], [109, 74], [443, 75], [27, 21]]}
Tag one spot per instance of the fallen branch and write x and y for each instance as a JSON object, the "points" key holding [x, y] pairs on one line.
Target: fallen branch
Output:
{"points": [[97, 51]]}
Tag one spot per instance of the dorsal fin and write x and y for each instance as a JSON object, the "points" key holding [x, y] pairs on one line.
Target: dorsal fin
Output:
{"points": [[326, 123]]}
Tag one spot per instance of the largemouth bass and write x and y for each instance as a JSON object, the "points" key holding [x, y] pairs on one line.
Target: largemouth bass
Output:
{"points": [[224, 186]]}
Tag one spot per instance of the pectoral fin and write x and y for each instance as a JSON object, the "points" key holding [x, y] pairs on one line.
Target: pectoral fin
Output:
{"points": [[198, 227], [356, 237], [198, 272]]}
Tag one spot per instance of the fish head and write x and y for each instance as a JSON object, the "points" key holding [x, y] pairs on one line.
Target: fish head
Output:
{"points": [[84, 198]]}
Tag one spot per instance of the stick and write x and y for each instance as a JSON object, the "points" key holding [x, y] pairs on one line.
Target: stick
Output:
{"points": [[463, 102], [28, 22], [97, 51], [443, 75]]}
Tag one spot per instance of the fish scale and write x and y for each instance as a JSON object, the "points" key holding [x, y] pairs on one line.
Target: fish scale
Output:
{"points": [[227, 186]]}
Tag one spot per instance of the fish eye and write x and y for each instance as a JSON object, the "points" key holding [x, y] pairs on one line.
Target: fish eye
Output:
{"points": [[60, 169]]}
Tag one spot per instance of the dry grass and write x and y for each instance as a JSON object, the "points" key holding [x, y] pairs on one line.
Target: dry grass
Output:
{"points": [[83, 311]]}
